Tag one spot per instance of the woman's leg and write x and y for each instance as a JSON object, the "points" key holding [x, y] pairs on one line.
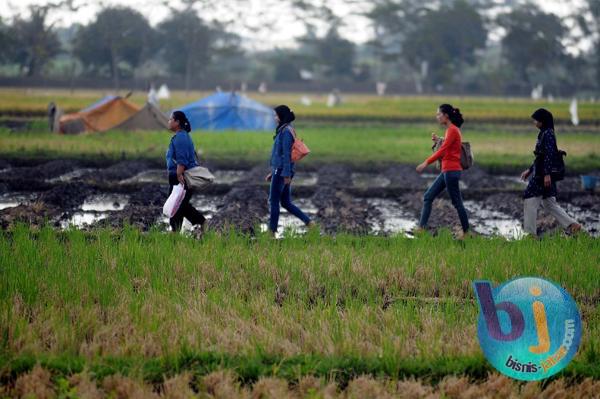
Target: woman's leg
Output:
{"points": [[190, 213], [558, 212], [452, 180], [274, 199], [286, 202], [530, 208], [432, 192]]}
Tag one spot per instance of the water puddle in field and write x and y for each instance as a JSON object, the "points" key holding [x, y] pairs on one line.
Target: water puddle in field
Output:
{"points": [[11, 200], [590, 220], [306, 179], [83, 219], [393, 219], [288, 223], [430, 177], [148, 176], [514, 181], [368, 180], [489, 222], [228, 176], [77, 173], [105, 202]]}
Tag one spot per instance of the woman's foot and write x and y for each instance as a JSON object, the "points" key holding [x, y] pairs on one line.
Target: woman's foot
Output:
{"points": [[574, 228]]}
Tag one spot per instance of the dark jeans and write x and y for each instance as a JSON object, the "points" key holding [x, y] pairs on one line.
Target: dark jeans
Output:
{"points": [[186, 210], [282, 193], [448, 181]]}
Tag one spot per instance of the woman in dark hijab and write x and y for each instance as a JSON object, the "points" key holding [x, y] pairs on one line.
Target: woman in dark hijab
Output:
{"points": [[282, 169], [541, 188]]}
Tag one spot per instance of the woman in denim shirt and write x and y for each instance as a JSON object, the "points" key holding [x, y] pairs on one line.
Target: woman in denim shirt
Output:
{"points": [[181, 155], [282, 170], [541, 189]]}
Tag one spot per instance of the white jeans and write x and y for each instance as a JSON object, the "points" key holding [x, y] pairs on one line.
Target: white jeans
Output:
{"points": [[549, 204]]}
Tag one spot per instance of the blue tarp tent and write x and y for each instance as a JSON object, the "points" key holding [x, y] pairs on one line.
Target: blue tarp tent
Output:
{"points": [[229, 111]]}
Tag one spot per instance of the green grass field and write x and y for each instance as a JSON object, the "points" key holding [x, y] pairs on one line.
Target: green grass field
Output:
{"points": [[140, 314], [354, 107], [354, 144], [155, 305]]}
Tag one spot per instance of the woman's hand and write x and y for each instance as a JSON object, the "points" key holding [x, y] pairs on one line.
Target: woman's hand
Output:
{"points": [[181, 179], [268, 177], [547, 181], [287, 180], [525, 174], [421, 167]]}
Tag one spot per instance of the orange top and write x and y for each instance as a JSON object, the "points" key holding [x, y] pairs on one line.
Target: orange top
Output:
{"points": [[449, 152]]}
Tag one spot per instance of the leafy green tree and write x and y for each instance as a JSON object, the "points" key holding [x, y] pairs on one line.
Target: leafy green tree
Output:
{"points": [[119, 38], [446, 39], [533, 42], [35, 43]]}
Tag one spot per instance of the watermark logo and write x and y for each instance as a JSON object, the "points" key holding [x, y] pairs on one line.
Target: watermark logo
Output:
{"points": [[529, 328]]}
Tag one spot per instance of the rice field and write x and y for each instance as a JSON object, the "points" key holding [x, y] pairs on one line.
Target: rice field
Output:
{"points": [[494, 147], [354, 107], [125, 313], [156, 306]]}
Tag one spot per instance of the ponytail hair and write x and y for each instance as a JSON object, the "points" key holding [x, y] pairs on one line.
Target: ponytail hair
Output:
{"points": [[184, 123], [453, 114]]}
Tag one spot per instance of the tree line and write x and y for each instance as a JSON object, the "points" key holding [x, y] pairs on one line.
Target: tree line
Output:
{"points": [[466, 46]]}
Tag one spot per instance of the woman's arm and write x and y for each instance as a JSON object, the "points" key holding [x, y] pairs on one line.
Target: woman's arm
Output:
{"points": [[287, 143], [448, 141], [549, 145], [180, 170]]}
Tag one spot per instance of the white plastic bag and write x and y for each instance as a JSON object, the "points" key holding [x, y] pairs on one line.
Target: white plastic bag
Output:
{"points": [[172, 204]]}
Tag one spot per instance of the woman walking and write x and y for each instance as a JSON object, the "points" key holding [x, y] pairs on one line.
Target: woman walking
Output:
{"points": [[282, 169], [541, 189], [448, 179], [181, 155]]}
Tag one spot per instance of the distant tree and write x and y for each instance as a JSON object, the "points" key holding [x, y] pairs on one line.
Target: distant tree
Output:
{"points": [[34, 42], [118, 37], [446, 39], [333, 54], [6, 43], [533, 42], [588, 19]]}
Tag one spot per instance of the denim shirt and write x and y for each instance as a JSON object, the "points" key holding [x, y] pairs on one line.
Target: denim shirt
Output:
{"points": [[281, 154], [181, 151]]}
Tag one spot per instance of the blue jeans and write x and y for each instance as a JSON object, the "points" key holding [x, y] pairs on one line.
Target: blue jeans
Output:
{"points": [[282, 193], [448, 181]]}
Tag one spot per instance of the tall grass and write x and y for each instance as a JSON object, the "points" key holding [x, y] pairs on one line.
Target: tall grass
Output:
{"points": [[354, 107], [158, 303], [405, 144]]}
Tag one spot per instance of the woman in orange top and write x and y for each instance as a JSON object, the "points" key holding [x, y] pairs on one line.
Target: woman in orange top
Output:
{"points": [[449, 153]]}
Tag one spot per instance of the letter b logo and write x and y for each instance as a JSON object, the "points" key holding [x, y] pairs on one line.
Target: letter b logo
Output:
{"points": [[513, 327]]}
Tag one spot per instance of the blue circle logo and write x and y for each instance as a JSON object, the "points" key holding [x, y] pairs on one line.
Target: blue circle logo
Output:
{"points": [[529, 328]]}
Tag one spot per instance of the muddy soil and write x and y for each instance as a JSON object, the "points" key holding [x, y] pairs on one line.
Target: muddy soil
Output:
{"points": [[345, 198]]}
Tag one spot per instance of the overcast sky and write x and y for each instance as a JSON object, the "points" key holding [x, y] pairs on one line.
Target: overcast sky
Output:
{"points": [[263, 23]]}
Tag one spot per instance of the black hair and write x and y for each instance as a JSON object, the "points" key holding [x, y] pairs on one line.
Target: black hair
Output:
{"points": [[184, 123], [285, 115], [453, 113], [545, 117]]}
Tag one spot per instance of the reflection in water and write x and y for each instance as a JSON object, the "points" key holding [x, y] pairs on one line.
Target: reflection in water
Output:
{"points": [[491, 222], [83, 219], [105, 202], [393, 218]]}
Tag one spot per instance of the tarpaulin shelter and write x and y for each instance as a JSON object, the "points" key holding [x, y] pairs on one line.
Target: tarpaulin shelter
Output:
{"points": [[229, 111], [111, 112]]}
